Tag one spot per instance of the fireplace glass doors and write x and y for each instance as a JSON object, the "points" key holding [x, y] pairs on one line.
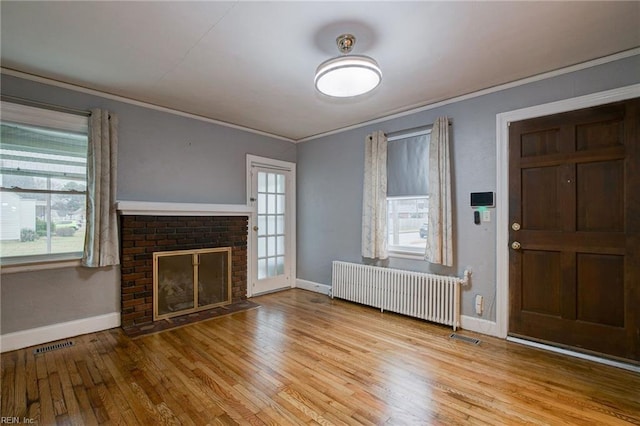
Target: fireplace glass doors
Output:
{"points": [[188, 281]]}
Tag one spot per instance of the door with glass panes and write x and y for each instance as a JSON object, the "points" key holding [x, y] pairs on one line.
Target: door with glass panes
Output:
{"points": [[271, 236]]}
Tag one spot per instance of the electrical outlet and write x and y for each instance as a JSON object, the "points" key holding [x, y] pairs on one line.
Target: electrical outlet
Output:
{"points": [[479, 304], [486, 216]]}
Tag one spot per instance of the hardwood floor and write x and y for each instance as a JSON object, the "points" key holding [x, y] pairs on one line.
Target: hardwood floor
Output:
{"points": [[302, 358]]}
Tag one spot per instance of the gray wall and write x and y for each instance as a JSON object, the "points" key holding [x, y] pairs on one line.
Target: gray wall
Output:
{"points": [[40, 298], [330, 177], [162, 157]]}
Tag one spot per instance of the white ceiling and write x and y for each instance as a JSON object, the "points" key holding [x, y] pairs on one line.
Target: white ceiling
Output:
{"points": [[252, 63]]}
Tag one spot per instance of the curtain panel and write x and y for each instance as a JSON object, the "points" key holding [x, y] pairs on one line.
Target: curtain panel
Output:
{"points": [[374, 200], [439, 235], [101, 245]]}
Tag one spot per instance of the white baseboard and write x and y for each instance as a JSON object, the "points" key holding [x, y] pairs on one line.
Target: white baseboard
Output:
{"points": [[64, 330], [313, 286], [479, 325]]}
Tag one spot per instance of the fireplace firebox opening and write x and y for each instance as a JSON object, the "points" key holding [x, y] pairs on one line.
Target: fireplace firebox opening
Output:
{"points": [[188, 281]]}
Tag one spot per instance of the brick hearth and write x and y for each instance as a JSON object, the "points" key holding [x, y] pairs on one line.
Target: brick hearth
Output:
{"points": [[143, 235]]}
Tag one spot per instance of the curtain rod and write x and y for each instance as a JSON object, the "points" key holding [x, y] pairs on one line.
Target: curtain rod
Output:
{"points": [[58, 108]]}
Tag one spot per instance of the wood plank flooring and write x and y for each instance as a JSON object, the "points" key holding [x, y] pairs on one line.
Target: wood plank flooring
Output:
{"points": [[302, 358]]}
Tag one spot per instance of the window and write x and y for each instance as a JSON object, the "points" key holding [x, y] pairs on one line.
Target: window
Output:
{"points": [[407, 192], [43, 181]]}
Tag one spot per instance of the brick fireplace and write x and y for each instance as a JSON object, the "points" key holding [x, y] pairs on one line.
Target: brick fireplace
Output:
{"points": [[158, 227]]}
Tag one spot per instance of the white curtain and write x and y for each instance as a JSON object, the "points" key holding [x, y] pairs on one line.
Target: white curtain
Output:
{"points": [[101, 246], [374, 200], [439, 235]]}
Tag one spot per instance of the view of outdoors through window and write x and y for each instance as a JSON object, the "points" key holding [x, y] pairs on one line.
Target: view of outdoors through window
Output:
{"points": [[407, 224], [43, 184]]}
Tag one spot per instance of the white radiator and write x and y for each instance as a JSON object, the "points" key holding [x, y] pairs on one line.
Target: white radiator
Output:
{"points": [[430, 297]]}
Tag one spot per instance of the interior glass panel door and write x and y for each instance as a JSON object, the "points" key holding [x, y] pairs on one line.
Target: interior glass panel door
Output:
{"points": [[270, 233]]}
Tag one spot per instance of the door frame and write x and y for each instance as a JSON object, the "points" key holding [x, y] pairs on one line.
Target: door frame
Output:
{"points": [[270, 163], [502, 181]]}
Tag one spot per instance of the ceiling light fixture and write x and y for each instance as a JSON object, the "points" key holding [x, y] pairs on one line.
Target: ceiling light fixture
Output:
{"points": [[348, 75]]}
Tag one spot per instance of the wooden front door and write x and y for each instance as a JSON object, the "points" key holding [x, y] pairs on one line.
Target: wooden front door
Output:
{"points": [[574, 211]]}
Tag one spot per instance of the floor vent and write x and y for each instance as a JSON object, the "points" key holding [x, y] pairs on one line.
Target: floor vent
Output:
{"points": [[53, 347], [464, 338]]}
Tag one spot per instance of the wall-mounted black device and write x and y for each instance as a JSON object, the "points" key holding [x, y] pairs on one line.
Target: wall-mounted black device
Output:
{"points": [[476, 217], [482, 199]]}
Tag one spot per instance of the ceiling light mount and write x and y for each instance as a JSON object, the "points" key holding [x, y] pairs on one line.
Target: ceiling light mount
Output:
{"points": [[345, 43], [348, 75]]}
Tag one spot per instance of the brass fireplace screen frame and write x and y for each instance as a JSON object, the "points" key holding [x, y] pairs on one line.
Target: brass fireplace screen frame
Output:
{"points": [[196, 281]]}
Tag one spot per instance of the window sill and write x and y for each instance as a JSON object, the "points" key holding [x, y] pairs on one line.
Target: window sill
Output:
{"points": [[15, 266], [407, 255]]}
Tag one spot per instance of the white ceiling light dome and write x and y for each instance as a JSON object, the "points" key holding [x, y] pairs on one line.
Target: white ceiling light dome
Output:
{"points": [[348, 75]]}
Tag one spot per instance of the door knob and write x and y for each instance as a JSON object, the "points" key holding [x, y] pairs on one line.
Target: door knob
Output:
{"points": [[255, 228], [516, 245], [515, 226]]}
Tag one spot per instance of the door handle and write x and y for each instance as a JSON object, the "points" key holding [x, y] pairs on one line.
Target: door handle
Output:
{"points": [[255, 228], [516, 245]]}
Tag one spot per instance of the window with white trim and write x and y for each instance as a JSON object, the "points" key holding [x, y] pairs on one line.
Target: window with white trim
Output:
{"points": [[407, 192], [43, 182]]}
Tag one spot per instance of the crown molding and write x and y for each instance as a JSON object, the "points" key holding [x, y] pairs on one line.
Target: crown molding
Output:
{"points": [[413, 109], [420, 108], [123, 99]]}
